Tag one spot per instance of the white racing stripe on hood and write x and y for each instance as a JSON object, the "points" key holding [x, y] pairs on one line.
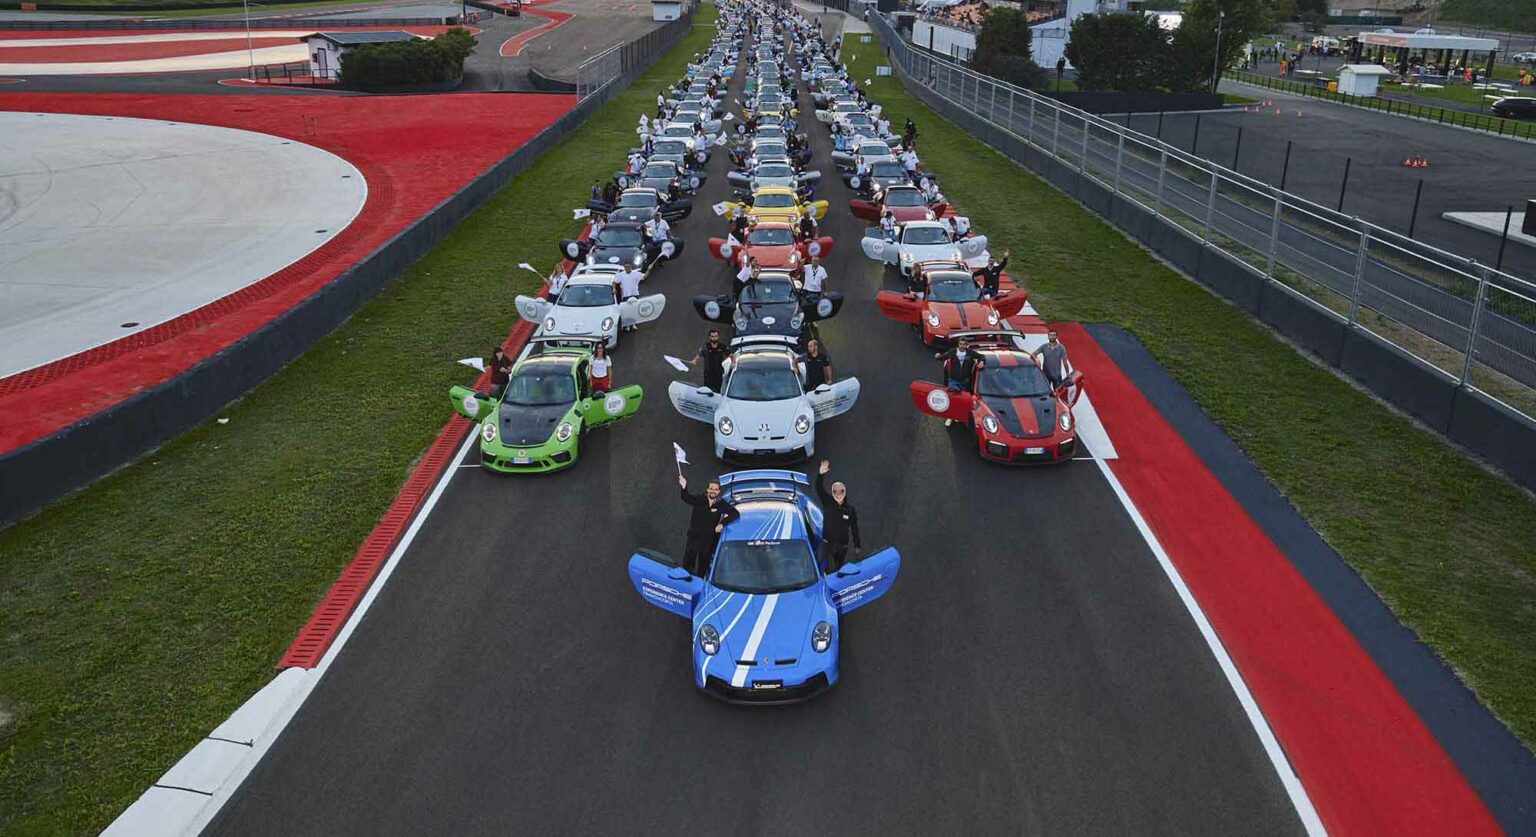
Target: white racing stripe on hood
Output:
{"points": [[759, 628]]}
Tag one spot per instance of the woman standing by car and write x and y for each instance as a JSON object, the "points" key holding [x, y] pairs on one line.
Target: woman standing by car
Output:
{"points": [[602, 369]]}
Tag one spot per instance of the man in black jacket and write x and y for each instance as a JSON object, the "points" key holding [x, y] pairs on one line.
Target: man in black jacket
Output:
{"points": [[992, 275], [840, 526], [709, 518]]}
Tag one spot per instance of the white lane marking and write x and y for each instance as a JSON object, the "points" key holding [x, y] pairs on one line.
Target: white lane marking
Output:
{"points": [[1277, 759], [764, 616]]}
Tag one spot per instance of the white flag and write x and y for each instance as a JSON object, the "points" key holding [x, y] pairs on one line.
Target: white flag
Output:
{"points": [[675, 363], [720, 140], [475, 363], [730, 117], [730, 238], [578, 214], [682, 455], [530, 268], [721, 208]]}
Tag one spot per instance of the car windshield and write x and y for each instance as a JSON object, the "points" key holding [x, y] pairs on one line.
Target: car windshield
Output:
{"points": [[771, 236], [633, 199], [628, 237], [925, 235], [770, 132], [677, 131], [774, 170], [763, 379], [953, 288], [773, 201], [767, 291], [903, 197], [1021, 381], [857, 119], [888, 168], [541, 385], [875, 149], [763, 566], [670, 148], [658, 170], [586, 296]]}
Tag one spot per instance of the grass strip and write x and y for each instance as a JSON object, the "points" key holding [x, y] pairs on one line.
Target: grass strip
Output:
{"points": [[137, 615], [1449, 546]]}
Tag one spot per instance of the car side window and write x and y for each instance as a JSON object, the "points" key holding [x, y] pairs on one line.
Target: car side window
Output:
{"points": [[583, 380]]}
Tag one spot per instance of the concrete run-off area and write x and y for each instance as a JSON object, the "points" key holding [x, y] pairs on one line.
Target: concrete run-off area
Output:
{"points": [[110, 225]]}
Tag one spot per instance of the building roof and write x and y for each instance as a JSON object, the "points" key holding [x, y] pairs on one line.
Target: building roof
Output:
{"points": [[1427, 39], [1365, 70], [357, 38]]}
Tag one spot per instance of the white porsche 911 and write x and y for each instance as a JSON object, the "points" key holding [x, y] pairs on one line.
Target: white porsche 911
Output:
{"points": [[589, 307], [921, 241], [765, 415]]}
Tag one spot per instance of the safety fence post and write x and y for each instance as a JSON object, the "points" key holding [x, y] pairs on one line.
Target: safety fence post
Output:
{"points": [[1119, 160], [1360, 257], [1162, 171], [1082, 160], [1274, 234], [1478, 305], [1210, 209]]}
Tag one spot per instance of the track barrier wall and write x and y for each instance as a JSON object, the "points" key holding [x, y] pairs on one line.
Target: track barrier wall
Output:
{"points": [[1443, 338], [39, 473]]}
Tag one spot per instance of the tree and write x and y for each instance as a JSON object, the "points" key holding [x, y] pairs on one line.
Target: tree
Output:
{"points": [[1193, 57], [1118, 52], [1003, 47]]}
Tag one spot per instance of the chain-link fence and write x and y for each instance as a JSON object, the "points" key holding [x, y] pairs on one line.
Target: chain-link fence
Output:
{"points": [[622, 60], [1474, 324]]}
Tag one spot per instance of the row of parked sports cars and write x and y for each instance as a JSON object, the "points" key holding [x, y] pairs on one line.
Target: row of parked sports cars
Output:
{"points": [[766, 613]]}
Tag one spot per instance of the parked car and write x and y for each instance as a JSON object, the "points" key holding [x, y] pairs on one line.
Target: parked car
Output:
{"points": [[1515, 107]]}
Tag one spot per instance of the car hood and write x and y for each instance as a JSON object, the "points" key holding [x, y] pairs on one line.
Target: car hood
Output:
{"points": [[785, 621], [581, 320], [1024, 418], [528, 425], [613, 255], [779, 416], [782, 315], [959, 315], [631, 213], [771, 255]]}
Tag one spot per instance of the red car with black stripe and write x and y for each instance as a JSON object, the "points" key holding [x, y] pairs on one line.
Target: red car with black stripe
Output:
{"points": [[905, 203], [946, 298], [1010, 406], [774, 244]]}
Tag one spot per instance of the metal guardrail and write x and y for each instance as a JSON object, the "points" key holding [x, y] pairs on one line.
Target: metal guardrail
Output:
{"points": [[1474, 324], [1496, 125], [620, 60]]}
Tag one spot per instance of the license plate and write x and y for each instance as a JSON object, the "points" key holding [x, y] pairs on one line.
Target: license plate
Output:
{"points": [[1034, 451], [766, 686], [521, 460]]}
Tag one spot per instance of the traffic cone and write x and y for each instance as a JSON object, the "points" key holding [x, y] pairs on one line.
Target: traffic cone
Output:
{"points": [[1408, 162], [1423, 162]]}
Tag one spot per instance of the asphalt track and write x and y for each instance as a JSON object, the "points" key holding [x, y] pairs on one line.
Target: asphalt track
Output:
{"points": [[1032, 670]]}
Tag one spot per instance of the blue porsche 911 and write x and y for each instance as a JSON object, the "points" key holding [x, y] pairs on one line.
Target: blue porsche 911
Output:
{"points": [[765, 621]]}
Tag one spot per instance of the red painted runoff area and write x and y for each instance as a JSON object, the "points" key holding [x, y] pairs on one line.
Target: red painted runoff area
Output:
{"points": [[169, 34], [414, 151], [514, 45], [1368, 763]]}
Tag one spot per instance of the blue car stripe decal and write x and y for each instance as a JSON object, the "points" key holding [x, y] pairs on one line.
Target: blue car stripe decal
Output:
{"points": [[759, 628], [704, 669]]}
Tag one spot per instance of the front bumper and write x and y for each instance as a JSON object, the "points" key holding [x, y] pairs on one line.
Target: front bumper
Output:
{"points": [[767, 692], [540, 460], [761, 457], [1044, 451]]}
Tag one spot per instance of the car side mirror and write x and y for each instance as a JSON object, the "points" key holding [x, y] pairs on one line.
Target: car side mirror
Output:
{"points": [[847, 570], [822, 388], [704, 391], [679, 574]]}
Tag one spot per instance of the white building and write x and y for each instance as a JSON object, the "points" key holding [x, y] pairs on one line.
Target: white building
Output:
{"points": [[326, 48], [958, 40]]}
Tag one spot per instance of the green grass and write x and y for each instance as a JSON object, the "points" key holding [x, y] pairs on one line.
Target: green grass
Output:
{"points": [[1511, 15], [1449, 546], [136, 616]]}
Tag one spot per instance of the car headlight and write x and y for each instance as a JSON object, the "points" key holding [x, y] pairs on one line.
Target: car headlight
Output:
{"points": [[794, 258], [638, 260], [802, 425], [989, 424], [726, 426], [933, 320], [488, 432], [608, 323], [1066, 421], [906, 257], [709, 640], [992, 317], [796, 320], [563, 432], [955, 256], [821, 637], [549, 323], [930, 215], [591, 259]]}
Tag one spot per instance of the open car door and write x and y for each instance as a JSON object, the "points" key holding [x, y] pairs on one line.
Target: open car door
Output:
{"points": [[817, 209], [842, 160], [861, 582], [972, 247], [660, 580], [832, 400], [642, 310], [864, 210], [574, 249], [470, 404], [694, 402], [738, 179], [1009, 303], [877, 248], [818, 247], [903, 308], [533, 309], [939, 402], [822, 307], [676, 210], [614, 405], [1072, 388], [716, 309]]}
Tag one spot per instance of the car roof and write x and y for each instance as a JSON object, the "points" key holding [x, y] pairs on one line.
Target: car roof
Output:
{"points": [[593, 277], [766, 519]]}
